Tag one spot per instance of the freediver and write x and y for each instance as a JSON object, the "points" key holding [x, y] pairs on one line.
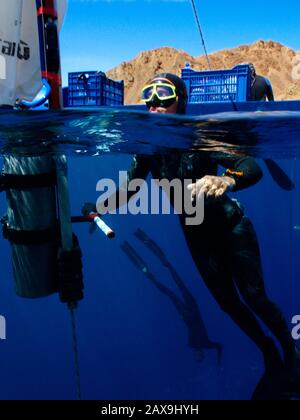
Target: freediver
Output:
{"points": [[261, 87], [224, 247], [186, 307]]}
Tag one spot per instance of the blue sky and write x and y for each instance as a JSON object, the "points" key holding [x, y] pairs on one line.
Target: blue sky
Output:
{"points": [[100, 34]]}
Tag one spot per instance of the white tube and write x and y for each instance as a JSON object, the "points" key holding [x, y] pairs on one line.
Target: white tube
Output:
{"points": [[104, 228]]}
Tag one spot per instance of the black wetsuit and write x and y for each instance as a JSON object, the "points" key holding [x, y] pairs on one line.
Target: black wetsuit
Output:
{"points": [[225, 247], [262, 89]]}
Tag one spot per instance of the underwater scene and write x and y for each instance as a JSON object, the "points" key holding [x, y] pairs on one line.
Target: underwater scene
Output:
{"points": [[150, 203], [149, 326]]}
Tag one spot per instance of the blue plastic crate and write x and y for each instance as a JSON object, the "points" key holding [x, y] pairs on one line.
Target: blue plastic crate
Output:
{"points": [[93, 88], [65, 93], [218, 85]]}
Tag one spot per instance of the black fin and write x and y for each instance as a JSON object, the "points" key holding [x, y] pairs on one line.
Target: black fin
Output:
{"points": [[279, 176]]}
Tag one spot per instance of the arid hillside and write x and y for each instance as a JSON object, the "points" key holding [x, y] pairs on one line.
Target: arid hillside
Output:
{"points": [[271, 59]]}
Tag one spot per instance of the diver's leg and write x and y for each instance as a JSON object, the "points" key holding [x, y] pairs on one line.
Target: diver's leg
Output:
{"points": [[217, 277], [246, 263], [246, 266]]}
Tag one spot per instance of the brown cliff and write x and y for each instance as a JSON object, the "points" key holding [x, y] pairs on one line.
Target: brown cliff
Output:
{"points": [[271, 59]]}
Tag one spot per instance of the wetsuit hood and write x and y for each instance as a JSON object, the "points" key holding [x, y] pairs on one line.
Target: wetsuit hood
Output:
{"points": [[181, 90]]}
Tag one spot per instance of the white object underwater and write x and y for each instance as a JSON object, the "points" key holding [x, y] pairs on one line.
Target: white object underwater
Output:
{"points": [[20, 70], [104, 228]]}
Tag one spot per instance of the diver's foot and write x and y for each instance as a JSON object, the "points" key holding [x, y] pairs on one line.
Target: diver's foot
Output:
{"points": [[272, 385], [272, 358], [281, 381], [293, 371], [271, 388]]}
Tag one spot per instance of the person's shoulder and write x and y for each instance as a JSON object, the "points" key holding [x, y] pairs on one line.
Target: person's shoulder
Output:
{"points": [[260, 78], [263, 79], [268, 82]]}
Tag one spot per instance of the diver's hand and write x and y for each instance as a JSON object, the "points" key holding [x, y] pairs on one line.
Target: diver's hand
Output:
{"points": [[211, 186]]}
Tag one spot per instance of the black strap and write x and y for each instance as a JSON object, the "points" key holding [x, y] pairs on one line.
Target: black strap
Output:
{"points": [[28, 237], [22, 182]]}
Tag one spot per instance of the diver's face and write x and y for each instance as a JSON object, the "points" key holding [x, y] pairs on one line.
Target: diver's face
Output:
{"points": [[161, 110]]}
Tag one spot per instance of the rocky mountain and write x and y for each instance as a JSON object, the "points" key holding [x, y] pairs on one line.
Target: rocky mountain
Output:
{"points": [[271, 59]]}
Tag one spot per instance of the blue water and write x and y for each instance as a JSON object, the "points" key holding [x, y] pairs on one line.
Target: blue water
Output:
{"points": [[132, 342]]}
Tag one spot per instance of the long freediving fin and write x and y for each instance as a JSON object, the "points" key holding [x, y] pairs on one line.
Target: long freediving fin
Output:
{"points": [[279, 176], [153, 247], [134, 257]]}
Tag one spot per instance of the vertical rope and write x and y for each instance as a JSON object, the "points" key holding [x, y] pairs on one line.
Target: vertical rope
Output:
{"points": [[206, 54], [76, 354], [201, 34]]}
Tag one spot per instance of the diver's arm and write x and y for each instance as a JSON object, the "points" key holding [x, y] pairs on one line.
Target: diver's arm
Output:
{"points": [[244, 171], [139, 169], [240, 173], [270, 94]]}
